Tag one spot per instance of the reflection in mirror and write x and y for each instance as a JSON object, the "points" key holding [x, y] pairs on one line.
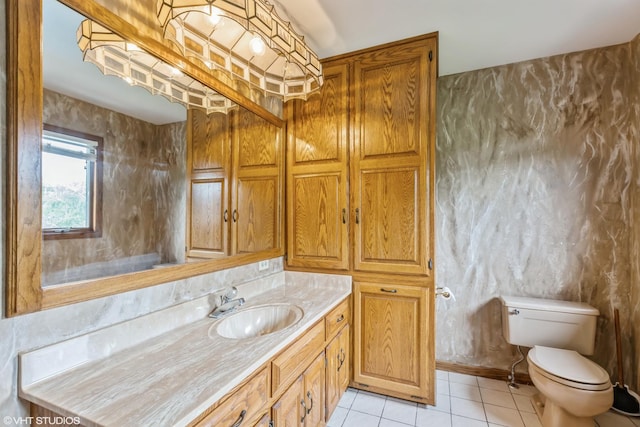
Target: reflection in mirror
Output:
{"points": [[143, 162], [146, 176]]}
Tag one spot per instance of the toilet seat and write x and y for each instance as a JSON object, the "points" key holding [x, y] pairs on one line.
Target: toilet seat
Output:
{"points": [[570, 368]]}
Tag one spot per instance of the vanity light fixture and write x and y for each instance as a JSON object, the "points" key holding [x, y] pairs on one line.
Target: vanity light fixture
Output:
{"points": [[244, 40], [115, 56]]}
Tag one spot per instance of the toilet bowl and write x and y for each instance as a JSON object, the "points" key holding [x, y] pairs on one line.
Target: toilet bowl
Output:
{"points": [[574, 388]]}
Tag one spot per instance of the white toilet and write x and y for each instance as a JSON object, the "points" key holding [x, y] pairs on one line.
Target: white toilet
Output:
{"points": [[573, 389]]}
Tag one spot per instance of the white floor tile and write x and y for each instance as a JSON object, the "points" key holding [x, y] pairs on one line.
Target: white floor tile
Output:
{"points": [[360, 419], [400, 410], [493, 384], [503, 416], [523, 403], [443, 403], [369, 403], [338, 417], [454, 377], [390, 423], [530, 420], [347, 398], [614, 419], [457, 421], [526, 390], [465, 391], [498, 398], [442, 386], [467, 408], [442, 375], [428, 417]]}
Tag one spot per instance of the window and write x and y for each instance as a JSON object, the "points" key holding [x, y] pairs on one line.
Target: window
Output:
{"points": [[71, 184]]}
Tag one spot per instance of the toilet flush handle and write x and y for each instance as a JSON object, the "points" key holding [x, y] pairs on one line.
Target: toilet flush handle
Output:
{"points": [[515, 312]]}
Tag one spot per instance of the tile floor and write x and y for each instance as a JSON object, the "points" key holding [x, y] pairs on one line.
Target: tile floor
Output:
{"points": [[461, 401]]}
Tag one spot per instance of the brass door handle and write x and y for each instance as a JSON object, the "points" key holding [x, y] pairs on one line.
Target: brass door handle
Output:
{"points": [[234, 215], [357, 215]]}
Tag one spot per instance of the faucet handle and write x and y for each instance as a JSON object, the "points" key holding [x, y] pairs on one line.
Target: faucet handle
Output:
{"points": [[229, 294]]}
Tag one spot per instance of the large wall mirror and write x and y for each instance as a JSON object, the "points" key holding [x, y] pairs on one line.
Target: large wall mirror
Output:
{"points": [[111, 188]]}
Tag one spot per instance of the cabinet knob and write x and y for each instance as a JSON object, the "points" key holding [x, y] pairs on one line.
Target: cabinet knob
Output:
{"points": [[240, 418]]}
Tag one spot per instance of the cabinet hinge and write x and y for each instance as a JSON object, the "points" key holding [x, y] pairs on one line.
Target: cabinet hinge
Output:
{"points": [[430, 55], [430, 263]]}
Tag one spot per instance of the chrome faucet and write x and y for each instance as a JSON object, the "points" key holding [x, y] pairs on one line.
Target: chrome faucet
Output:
{"points": [[227, 304]]}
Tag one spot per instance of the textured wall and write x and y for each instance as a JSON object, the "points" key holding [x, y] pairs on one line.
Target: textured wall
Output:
{"points": [[143, 193], [534, 165], [635, 208]]}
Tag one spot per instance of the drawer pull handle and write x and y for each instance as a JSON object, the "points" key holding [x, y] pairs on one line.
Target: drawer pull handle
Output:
{"points": [[357, 215], [310, 402], [340, 319], [240, 418], [226, 215], [341, 359], [234, 215], [304, 411], [344, 216], [391, 291]]}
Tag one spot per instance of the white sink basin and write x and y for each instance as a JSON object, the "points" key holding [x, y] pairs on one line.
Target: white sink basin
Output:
{"points": [[257, 321]]}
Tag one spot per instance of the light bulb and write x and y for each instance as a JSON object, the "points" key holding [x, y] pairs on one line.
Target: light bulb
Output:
{"points": [[257, 45], [215, 15]]}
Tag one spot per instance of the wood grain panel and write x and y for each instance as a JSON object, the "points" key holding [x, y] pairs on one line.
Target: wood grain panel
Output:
{"points": [[391, 333], [390, 216], [391, 101], [319, 130], [209, 142], [24, 139], [317, 175], [251, 398], [317, 217], [314, 389], [338, 362], [207, 226], [288, 364], [255, 138], [287, 412], [257, 214]]}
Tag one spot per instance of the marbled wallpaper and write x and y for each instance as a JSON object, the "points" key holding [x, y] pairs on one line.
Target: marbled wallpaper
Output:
{"points": [[534, 178], [144, 194], [634, 299]]}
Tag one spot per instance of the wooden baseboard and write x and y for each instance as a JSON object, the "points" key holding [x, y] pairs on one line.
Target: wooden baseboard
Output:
{"points": [[494, 373]]}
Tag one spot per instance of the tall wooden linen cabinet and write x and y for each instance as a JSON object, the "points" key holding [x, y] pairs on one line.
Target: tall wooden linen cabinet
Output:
{"points": [[360, 197]]}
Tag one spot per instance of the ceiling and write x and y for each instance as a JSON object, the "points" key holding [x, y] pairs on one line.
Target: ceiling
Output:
{"points": [[473, 34]]}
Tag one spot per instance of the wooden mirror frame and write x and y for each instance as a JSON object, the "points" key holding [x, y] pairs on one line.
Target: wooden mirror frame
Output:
{"points": [[24, 292]]}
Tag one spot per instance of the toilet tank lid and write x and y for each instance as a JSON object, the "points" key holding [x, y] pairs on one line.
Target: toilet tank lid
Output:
{"points": [[549, 305]]}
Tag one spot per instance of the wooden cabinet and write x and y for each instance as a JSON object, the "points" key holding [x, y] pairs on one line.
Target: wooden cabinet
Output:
{"points": [[246, 403], [317, 175], [303, 402], [375, 116], [338, 362], [391, 161], [393, 332], [235, 194]]}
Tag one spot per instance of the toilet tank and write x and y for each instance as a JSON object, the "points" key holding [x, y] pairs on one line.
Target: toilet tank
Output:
{"points": [[551, 323]]}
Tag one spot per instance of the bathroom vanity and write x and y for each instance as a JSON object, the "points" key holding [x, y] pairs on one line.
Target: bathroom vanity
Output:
{"points": [[191, 375]]}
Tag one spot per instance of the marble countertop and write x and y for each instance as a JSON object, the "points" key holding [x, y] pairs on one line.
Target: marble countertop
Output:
{"points": [[174, 377]]}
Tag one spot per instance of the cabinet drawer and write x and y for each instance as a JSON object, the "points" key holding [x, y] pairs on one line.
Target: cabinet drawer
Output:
{"points": [[337, 318], [245, 403], [289, 364]]}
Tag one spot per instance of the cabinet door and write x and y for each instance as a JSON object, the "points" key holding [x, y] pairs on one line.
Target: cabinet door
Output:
{"points": [[393, 339], [208, 169], [257, 185], [289, 410], [392, 175], [337, 371], [314, 388], [317, 150]]}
